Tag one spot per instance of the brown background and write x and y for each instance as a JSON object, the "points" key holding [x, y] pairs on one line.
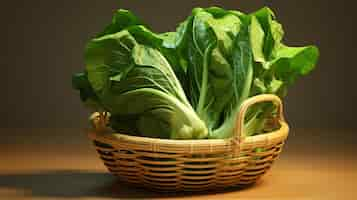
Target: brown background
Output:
{"points": [[43, 41]]}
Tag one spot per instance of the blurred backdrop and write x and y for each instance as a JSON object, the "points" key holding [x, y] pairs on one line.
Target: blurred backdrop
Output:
{"points": [[42, 45]]}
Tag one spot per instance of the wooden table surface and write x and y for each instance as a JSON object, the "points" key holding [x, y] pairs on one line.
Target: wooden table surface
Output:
{"points": [[62, 164]]}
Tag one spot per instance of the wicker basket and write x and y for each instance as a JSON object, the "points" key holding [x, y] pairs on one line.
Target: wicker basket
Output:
{"points": [[182, 165]]}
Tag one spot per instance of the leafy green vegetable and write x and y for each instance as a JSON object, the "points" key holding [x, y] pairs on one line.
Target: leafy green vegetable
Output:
{"points": [[232, 56], [280, 66], [243, 76], [210, 35], [272, 29], [190, 83], [137, 85]]}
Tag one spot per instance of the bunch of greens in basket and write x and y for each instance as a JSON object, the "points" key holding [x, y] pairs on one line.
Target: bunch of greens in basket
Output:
{"points": [[189, 84]]}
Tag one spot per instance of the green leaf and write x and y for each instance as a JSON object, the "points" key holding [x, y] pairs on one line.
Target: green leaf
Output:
{"points": [[108, 55], [293, 62], [272, 29], [257, 36], [202, 33], [136, 82], [243, 64], [208, 50], [274, 86], [259, 86], [243, 76], [122, 19], [161, 42], [87, 95]]}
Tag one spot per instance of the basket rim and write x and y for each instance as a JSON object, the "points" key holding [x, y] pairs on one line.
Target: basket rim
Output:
{"points": [[234, 144], [115, 139]]}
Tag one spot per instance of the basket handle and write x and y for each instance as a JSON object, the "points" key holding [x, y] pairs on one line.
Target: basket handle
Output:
{"points": [[239, 125]]}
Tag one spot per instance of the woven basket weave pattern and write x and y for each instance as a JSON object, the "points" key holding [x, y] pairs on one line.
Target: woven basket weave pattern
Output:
{"points": [[193, 164]]}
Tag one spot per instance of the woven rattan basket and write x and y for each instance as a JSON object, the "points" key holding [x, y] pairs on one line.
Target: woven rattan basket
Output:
{"points": [[177, 165]]}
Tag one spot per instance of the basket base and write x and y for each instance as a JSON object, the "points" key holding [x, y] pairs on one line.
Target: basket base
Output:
{"points": [[153, 164], [186, 190]]}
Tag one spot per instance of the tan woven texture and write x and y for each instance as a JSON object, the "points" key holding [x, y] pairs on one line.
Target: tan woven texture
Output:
{"points": [[177, 165]]}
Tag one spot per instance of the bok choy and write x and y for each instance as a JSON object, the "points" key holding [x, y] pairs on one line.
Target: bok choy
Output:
{"points": [[190, 84]]}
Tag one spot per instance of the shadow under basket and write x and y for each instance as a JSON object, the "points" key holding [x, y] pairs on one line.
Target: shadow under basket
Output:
{"points": [[191, 165]]}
